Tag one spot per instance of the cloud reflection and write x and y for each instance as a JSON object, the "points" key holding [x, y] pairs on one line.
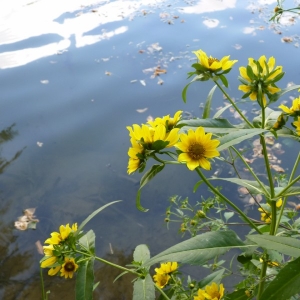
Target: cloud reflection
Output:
{"points": [[204, 6], [20, 22]]}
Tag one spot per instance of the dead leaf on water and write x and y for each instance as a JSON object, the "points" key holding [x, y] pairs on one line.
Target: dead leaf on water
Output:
{"points": [[39, 247], [287, 39], [277, 168]]}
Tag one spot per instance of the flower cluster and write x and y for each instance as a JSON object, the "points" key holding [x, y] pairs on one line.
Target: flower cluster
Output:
{"points": [[162, 275], [195, 146], [258, 79], [265, 211], [59, 255], [209, 67], [211, 292], [150, 138]]}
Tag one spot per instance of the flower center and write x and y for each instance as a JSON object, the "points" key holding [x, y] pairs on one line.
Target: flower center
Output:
{"points": [[196, 151], [211, 60], [69, 267]]}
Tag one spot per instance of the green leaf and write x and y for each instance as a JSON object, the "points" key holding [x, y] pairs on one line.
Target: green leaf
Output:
{"points": [[253, 186], [236, 137], [88, 241], [293, 190], [286, 284], [213, 277], [138, 202], [283, 91], [155, 169], [143, 289], [286, 245], [85, 280], [199, 249], [92, 215], [238, 295], [184, 92], [141, 253], [207, 106], [224, 80]]}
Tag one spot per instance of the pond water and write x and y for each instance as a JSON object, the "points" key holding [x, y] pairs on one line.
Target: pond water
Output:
{"points": [[73, 76]]}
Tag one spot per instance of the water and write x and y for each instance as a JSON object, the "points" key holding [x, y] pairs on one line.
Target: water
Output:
{"points": [[73, 76]]}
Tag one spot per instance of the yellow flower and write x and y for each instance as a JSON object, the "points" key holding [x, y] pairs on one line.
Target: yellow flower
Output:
{"points": [[263, 77], [212, 292], [197, 147], [213, 64], [166, 268], [64, 232], [294, 109], [169, 122], [48, 250], [161, 280], [265, 212], [54, 271], [135, 153], [297, 125], [68, 268], [51, 260]]}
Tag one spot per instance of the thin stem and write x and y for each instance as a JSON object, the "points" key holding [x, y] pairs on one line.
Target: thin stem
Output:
{"points": [[227, 200], [251, 171], [262, 278], [162, 292], [273, 218], [288, 186], [233, 104], [42, 284], [172, 162], [285, 198], [109, 263]]}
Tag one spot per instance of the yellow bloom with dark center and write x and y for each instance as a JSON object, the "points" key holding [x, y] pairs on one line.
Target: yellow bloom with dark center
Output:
{"points": [[261, 78], [68, 268], [297, 125], [213, 64], [211, 292], [166, 268], [294, 110], [197, 147], [161, 280]]}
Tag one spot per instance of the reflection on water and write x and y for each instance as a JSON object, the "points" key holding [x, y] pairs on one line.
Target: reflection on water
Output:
{"points": [[73, 77]]}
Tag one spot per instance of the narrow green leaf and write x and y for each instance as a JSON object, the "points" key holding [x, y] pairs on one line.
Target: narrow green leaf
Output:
{"points": [[286, 284], [252, 186], [293, 190], [224, 80], [286, 245], [93, 214], [155, 169], [138, 202], [141, 253], [143, 289], [199, 249], [207, 107], [85, 280], [213, 277], [237, 137], [184, 92], [88, 241], [220, 111]]}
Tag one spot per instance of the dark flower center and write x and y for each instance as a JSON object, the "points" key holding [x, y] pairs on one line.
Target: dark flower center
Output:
{"points": [[69, 266], [211, 60], [196, 151]]}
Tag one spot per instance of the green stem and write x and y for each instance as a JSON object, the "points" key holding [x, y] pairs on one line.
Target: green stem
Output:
{"points": [[227, 200], [273, 218], [285, 198], [263, 273], [288, 186], [251, 171], [233, 104], [162, 292], [42, 283], [109, 263], [172, 162]]}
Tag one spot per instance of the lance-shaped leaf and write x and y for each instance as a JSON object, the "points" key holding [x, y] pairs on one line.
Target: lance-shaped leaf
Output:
{"points": [[286, 245], [88, 241], [213, 277], [237, 137], [155, 169], [143, 289], [293, 190], [199, 249], [286, 284], [85, 280], [206, 111], [253, 186], [141, 253], [237, 295]]}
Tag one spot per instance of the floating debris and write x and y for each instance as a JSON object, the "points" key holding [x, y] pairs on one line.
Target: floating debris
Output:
{"points": [[143, 82], [27, 220], [142, 110]]}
